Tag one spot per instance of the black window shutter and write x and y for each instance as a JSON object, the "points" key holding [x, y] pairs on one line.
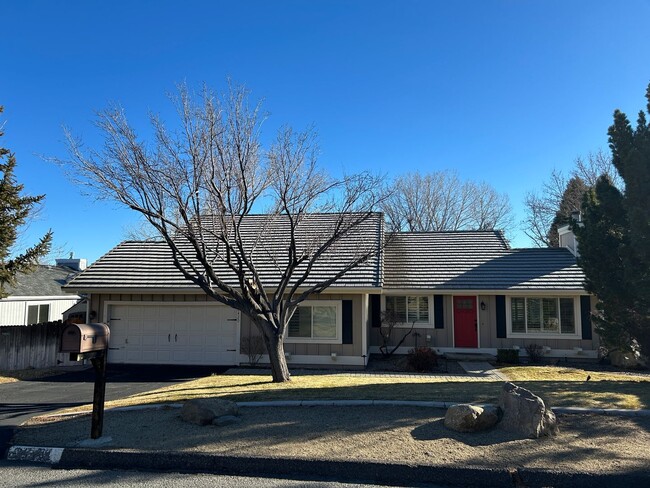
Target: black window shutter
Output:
{"points": [[501, 316], [375, 310], [585, 316], [347, 322], [438, 312]]}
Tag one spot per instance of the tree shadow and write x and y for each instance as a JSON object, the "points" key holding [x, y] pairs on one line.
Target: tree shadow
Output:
{"points": [[436, 430]]}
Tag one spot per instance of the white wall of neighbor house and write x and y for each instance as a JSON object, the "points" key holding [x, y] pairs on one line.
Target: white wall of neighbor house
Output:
{"points": [[14, 310]]}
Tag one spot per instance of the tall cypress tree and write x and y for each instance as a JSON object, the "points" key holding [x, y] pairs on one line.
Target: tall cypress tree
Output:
{"points": [[615, 238], [14, 210]]}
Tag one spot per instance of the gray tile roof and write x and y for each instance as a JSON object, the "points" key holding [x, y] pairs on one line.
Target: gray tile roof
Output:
{"points": [[475, 260], [148, 265], [43, 281]]}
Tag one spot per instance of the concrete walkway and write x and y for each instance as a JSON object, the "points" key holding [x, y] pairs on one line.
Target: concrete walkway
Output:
{"points": [[474, 371]]}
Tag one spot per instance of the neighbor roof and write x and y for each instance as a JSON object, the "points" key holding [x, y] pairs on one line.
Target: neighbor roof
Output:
{"points": [[134, 265], [43, 281], [475, 260]]}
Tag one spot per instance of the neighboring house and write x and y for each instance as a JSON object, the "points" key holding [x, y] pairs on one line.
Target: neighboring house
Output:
{"points": [[37, 296], [466, 291]]}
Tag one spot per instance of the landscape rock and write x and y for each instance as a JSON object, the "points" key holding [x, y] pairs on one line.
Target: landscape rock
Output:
{"points": [[525, 413], [226, 420], [470, 418], [202, 411], [624, 359]]}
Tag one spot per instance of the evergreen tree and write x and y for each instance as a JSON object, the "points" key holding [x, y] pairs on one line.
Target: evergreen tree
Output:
{"points": [[14, 210], [615, 238], [571, 201]]}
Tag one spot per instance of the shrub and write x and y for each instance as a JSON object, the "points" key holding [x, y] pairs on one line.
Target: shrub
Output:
{"points": [[422, 359], [535, 353], [510, 356]]}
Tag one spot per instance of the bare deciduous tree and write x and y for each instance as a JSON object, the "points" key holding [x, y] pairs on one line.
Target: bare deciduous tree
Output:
{"points": [[199, 186], [441, 201], [542, 207]]}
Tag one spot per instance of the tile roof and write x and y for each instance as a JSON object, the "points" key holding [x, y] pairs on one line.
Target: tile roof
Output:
{"points": [[475, 260], [43, 281], [148, 265]]}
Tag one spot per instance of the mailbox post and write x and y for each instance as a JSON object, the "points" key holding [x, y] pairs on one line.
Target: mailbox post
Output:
{"points": [[90, 341]]}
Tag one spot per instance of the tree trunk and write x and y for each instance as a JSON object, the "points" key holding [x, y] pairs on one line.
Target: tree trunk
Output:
{"points": [[275, 348]]}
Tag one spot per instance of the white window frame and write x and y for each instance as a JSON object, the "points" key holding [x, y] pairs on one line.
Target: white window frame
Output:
{"points": [[423, 325], [32, 304], [544, 335], [325, 340]]}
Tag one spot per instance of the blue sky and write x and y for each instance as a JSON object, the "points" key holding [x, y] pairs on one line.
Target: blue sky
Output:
{"points": [[501, 91]]}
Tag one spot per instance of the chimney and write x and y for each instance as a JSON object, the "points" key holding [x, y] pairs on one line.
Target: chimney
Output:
{"points": [[78, 264], [567, 237]]}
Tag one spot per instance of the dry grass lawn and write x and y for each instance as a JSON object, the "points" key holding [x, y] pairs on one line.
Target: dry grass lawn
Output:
{"points": [[558, 386]]}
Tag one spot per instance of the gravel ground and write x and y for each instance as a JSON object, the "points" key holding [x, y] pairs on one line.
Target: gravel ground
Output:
{"points": [[410, 435]]}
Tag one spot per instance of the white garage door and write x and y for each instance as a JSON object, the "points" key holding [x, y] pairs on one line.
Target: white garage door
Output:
{"points": [[173, 334]]}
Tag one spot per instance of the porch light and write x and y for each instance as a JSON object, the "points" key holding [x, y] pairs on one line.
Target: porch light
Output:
{"points": [[483, 305]]}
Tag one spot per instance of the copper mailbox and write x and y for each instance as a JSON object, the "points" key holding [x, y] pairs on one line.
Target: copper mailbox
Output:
{"points": [[81, 338]]}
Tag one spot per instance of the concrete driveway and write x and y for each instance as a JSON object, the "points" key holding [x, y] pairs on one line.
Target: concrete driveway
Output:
{"points": [[21, 400]]}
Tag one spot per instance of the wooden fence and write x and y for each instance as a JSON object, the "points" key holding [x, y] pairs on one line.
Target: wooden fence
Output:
{"points": [[31, 346]]}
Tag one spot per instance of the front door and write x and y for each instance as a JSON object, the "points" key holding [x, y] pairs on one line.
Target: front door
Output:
{"points": [[465, 325]]}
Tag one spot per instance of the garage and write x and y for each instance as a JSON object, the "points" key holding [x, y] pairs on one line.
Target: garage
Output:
{"points": [[159, 333]]}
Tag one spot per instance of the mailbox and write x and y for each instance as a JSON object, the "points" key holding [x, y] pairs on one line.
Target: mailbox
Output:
{"points": [[83, 338]]}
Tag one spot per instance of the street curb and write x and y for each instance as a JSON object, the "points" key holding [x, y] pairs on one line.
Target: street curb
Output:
{"points": [[341, 471]]}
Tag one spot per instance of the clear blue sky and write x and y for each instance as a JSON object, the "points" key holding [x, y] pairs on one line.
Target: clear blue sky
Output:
{"points": [[501, 91]]}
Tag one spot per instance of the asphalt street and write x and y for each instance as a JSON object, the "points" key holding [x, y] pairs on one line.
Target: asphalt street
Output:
{"points": [[21, 400], [17, 476]]}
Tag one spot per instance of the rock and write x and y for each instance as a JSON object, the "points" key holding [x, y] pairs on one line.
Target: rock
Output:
{"points": [[226, 420], [470, 418], [624, 359], [195, 412], [525, 413], [202, 411]]}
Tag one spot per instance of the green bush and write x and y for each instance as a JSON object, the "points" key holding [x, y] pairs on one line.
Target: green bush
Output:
{"points": [[422, 359], [510, 356]]}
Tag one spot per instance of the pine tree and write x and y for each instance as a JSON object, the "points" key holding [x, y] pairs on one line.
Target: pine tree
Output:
{"points": [[571, 201], [615, 238], [15, 208]]}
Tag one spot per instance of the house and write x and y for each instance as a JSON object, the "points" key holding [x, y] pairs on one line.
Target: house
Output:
{"points": [[37, 296], [466, 291]]}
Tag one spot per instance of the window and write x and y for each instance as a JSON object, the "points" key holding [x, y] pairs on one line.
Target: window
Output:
{"points": [[408, 309], [542, 315], [38, 313], [316, 320]]}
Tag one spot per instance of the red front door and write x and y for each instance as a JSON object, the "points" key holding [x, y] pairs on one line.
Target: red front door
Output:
{"points": [[465, 326]]}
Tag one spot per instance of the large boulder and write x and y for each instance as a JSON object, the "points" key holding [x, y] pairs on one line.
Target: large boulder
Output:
{"points": [[525, 413], [624, 359], [470, 418], [202, 411]]}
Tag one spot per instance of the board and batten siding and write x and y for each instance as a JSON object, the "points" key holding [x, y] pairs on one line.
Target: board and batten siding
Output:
{"points": [[444, 338], [98, 301], [438, 337], [488, 331], [312, 349]]}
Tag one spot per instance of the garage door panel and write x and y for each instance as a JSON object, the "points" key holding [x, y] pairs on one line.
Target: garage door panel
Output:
{"points": [[178, 334]]}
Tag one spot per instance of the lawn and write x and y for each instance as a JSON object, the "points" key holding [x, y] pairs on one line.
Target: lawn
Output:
{"points": [[558, 386]]}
